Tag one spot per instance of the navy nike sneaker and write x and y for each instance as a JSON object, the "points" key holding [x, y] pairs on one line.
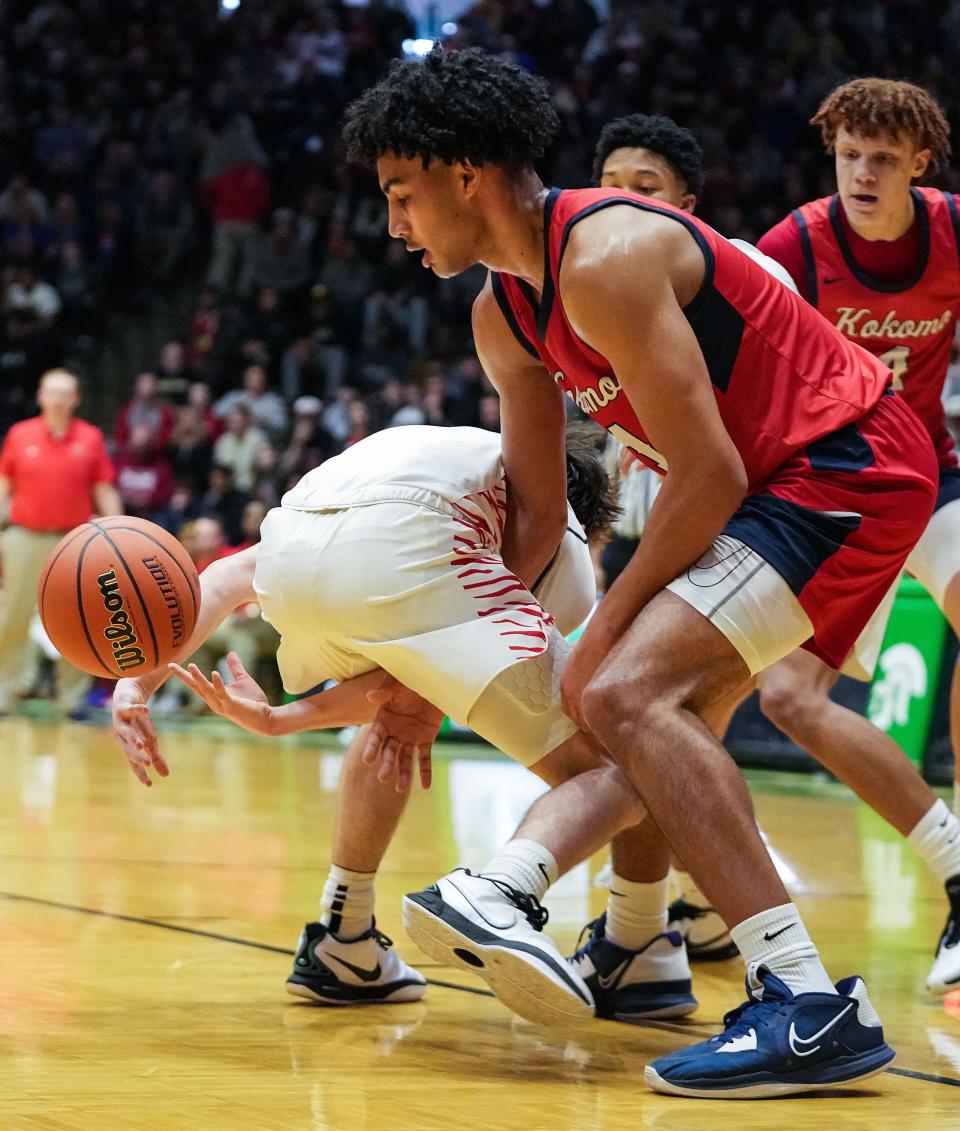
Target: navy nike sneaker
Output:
{"points": [[632, 985], [362, 971], [778, 1044], [484, 925]]}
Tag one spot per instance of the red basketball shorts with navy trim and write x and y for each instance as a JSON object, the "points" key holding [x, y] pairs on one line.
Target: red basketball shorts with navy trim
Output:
{"points": [[838, 521]]}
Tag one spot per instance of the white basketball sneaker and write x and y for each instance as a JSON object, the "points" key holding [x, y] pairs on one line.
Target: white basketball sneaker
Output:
{"points": [[945, 973], [362, 971], [495, 931], [633, 985]]}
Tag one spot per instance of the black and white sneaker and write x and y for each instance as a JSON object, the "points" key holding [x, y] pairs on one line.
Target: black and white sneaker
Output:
{"points": [[944, 976], [633, 985], [706, 935], [486, 926], [362, 971]]}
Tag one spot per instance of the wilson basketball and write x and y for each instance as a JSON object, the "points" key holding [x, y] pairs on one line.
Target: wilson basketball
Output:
{"points": [[119, 596]]}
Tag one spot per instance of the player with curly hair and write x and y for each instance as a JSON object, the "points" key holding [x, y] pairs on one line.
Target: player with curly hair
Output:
{"points": [[798, 483], [879, 259]]}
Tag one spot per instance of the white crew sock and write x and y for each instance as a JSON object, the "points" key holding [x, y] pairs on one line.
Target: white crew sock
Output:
{"points": [[636, 912], [778, 940], [524, 865], [346, 906], [936, 837]]}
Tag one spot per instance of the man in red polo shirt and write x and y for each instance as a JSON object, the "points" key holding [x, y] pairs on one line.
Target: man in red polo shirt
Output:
{"points": [[54, 474]]}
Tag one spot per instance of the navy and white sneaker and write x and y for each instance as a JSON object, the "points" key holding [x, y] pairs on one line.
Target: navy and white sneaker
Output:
{"points": [[632, 985], [493, 930], [706, 935], [778, 1044], [362, 971], [944, 975]]}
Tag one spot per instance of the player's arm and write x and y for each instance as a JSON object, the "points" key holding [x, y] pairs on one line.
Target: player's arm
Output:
{"points": [[634, 317], [4, 501], [404, 725], [224, 585], [532, 426]]}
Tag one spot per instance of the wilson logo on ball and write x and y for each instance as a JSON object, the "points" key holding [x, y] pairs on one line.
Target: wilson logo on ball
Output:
{"points": [[119, 632]]}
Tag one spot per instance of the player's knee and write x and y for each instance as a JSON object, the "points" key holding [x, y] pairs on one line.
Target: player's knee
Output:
{"points": [[791, 706], [617, 712]]}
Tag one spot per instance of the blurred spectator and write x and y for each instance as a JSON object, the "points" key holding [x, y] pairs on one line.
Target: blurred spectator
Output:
{"points": [[65, 226], [237, 447], [268, 323], [164, 228], [146, 410], [78, 285], [277, 258], [336, 414], [267, 409], [266, 486], [144, 476], [174, 374], [114, 253], [223, 500], [190, 449], [348, 279], [21, 203], [253, 515], [200, 398], [62, 140], [235, 189], [359, 423], [28, 295], [396, 303], [309, 444]]}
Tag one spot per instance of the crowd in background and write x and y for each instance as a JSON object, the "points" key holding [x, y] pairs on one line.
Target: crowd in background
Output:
{"points": [[178, 166]]}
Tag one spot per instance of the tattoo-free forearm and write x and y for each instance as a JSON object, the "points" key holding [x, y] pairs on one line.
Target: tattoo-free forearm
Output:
{"points": [[344, 705]]}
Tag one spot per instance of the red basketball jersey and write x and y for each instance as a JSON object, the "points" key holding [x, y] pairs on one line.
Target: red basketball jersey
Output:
{"points": [[782, 375], [908, 325]]}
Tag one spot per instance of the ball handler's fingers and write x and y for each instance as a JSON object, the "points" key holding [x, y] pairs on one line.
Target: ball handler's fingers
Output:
{"points": [[424, 756], [389, 753], [373, 745], [405, 769]]}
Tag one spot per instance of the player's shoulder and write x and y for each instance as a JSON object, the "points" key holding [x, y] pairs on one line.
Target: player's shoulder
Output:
{"points": [[609, 242]]}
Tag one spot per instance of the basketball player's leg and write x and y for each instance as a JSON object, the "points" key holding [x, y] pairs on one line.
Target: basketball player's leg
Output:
{"points": [[337, 954], [646, 705], [935, 562], [489, 921], [795, 696]]}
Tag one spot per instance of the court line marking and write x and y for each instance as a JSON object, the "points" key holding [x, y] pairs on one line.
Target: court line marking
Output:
{"points": [[665, 1026]]}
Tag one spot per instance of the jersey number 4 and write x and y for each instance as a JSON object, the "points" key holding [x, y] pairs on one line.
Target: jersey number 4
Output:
{"points": [[898, 361]]}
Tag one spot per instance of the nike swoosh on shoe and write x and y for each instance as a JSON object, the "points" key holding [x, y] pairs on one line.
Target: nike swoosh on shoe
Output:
{"points": [[363, 975], [797, 1042]]}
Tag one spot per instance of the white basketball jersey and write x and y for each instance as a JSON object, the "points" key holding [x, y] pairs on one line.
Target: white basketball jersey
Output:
{"points": [[449, 462]]}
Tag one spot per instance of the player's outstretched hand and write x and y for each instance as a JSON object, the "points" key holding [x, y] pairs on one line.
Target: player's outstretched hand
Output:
{"points": [[243, 702], [402, 732], [134, 731]]}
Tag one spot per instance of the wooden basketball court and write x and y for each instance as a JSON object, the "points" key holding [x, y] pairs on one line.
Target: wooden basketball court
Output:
{"points": [[145, 936]]}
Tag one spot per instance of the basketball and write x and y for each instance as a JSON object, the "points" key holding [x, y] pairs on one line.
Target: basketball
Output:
{"points": [[118, 596]]}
